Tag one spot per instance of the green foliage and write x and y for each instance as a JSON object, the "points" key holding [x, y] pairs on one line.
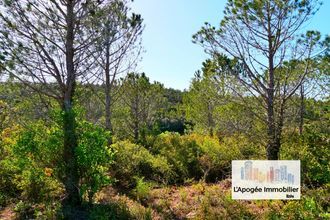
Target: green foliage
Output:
{"points": [[216, 159], [4, 199], [94, 158], [109, 212], [4, 115], [197, 156], [205, 94], [27, 210], [313, 205], [43, 151], [32, 165], [142, 189], [182, 154], [133, 161], [28, 170], [30, 162], [170, 124], [212, 105], [312, 148], [120, 210], [313, 152], [24, 210], [177, 159], [137, 108]]}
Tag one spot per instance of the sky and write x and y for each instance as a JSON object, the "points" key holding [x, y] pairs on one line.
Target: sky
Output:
{"points": [[170, 56]]}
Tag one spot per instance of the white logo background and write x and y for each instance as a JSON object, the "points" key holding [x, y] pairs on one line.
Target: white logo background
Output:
{"points": [[265, 179]]}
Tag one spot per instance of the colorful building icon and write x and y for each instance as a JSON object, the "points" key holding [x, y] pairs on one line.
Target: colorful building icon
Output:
{"points": [[273, 174]]}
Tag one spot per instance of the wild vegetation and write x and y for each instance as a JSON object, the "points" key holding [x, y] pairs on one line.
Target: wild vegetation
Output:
{"points": [[84, 136]]}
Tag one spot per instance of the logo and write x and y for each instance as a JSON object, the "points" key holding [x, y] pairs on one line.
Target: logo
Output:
{"points": [[265, 179]]}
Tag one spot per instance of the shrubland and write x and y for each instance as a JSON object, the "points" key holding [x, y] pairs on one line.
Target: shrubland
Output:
{"points": [[162, 176], [83, 137]]}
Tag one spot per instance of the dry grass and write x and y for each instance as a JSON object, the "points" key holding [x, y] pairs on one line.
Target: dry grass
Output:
{"points": [[198, 201], [7, 213]]}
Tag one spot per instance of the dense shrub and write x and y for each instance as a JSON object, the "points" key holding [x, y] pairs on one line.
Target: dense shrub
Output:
{"points": [[312, 150], [31, 166], [142, 189], [216, 159], [7, 168], [94, 158], [240, 147], [182, 152], [110, 205], [197, 156], [133, 161], [314, 204], [28, 210]]}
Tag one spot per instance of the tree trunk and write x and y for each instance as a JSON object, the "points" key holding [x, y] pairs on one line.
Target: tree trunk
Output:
{"points": [[302, 110], [210, 120], [273, 146], [108, 125], [136, 118], [71, 179], [136, 131], [278, 132]]}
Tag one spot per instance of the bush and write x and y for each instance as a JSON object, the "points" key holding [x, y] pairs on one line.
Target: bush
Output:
{"points": [[94, 158], [142, 189], [3, 200], [133, 161], [314, 204], [32, 166], [121, 208], [175, 159], [181, 152], [216, 159], [28, 168], [27, 210], [197, 156], [312, 150], [110, 211], [240, 147]]}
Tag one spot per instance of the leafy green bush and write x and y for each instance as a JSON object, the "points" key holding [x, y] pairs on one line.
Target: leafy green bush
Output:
{"points": [[121, 209], [197, 156], [3, 200], [28, 170], [29, 165], [94, 158], [314, 204], [24, 210], [133, 161], [312, 150], [32, 165], [28, 210], [241, 147], [216, 159], [110, 211], [142, 189], [181, 152]]}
